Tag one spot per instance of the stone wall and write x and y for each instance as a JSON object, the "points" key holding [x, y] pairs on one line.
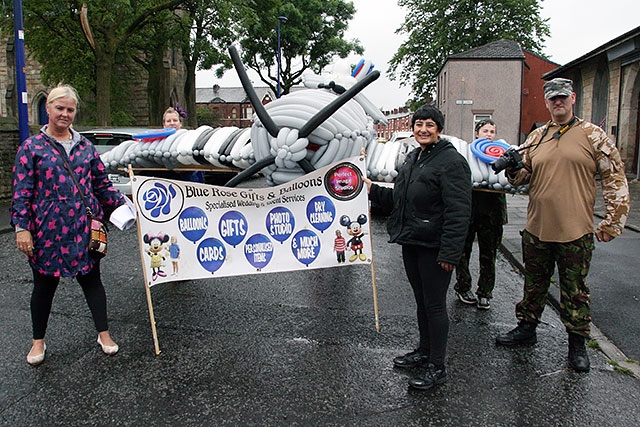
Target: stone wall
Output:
{"points": [[35, 88], [10, 137]]}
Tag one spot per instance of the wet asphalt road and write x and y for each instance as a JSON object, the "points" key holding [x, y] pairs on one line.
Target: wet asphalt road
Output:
{"points": [[612, 279], [615, 298], [290, 349]]}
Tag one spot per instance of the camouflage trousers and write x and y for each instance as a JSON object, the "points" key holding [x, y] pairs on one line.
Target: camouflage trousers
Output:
{"points": [[573, 260], [489, 232]]}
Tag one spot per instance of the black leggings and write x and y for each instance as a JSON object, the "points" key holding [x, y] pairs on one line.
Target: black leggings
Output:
{"points": [[429, 283], [44, 288]]}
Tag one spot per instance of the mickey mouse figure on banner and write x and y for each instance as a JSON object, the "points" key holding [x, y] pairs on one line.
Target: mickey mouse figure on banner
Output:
{"points": [[308, 137]]}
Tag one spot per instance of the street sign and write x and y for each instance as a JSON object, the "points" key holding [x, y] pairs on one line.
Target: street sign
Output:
{"points": [[464, 101]]}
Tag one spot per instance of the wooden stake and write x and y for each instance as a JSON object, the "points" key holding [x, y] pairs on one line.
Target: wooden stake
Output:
{"points": [[147, 284], [375, 292], [373, 271]]}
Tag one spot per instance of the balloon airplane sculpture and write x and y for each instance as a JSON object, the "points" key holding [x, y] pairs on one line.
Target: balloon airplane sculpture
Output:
{"points": [[326, 121]]}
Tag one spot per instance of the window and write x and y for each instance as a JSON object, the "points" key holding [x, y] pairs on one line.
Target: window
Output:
{"points": [[480, 117], [477, 118], [43, 117], [600, 96]]}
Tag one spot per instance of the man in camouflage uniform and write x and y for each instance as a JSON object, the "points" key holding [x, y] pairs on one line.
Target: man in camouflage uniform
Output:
{"points": [[561, 160]]}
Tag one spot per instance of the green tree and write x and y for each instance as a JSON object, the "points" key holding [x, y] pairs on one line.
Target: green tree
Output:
{"points": [[107, 28], [437, 29], [83, 42], [311, 36], [207, 28], [208, 117], [151, 46]]}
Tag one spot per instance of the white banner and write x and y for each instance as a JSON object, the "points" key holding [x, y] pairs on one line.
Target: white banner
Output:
{"points": [[191, 231]]}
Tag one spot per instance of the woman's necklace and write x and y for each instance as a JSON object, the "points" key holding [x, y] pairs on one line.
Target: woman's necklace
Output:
{"points": [[68, 136], [65, 138]]}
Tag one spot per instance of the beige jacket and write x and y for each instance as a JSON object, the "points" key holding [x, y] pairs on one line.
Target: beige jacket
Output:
{"points": [[561, 173]]}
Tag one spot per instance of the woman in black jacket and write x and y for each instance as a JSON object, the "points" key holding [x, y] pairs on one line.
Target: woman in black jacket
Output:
{"points": [[430, 207]]}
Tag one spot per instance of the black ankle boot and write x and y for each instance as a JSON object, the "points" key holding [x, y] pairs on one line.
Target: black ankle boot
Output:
{"points": [[578, 358], [524, 333], [431, 377], [411, 360]]}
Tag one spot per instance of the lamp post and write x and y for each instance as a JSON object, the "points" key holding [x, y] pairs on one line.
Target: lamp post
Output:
{"points": [[280, 19]]}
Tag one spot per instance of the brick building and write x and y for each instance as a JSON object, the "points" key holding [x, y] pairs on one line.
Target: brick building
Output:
{"points": [[36, 91], [230, 105], [399, 121], [534, 110], [135, 78], [499, 81]]}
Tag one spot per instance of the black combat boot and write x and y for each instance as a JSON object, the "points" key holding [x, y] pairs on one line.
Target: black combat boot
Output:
{"points": [[578, 358], [524, 333]]}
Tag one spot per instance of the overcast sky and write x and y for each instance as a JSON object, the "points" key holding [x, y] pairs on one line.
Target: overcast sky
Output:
{"points": [[577, 27]]}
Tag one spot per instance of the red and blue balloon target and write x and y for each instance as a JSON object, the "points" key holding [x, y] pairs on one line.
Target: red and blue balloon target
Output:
{"points": [[487, 150]]}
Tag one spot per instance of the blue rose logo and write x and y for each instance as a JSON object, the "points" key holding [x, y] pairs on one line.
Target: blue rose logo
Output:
{"points": [[157, 199]]}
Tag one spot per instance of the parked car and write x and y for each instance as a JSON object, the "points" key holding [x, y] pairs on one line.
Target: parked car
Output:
{"points": [[108, 138]]}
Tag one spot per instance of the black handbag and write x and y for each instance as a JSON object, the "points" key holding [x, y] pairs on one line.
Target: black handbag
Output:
{"points": [[97, 228]]}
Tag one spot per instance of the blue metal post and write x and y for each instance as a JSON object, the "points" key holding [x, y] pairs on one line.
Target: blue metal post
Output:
{"points": [[21, 79]]}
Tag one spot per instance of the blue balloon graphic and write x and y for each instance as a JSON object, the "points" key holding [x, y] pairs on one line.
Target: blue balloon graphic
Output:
{"points": [[211, 254], [193, 223], [280, 223], [233, 227], [305, 246], [258, 250], [321, 212]]}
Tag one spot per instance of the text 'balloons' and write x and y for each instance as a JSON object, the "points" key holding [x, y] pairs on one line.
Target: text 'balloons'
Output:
{"points": [[193, 223]]}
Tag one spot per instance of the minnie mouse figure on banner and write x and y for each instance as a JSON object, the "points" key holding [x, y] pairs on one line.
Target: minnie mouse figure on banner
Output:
{"points": [[156, 253]]}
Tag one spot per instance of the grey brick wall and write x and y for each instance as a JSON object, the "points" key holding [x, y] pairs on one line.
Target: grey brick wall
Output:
{"points": [[9, 141]]}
